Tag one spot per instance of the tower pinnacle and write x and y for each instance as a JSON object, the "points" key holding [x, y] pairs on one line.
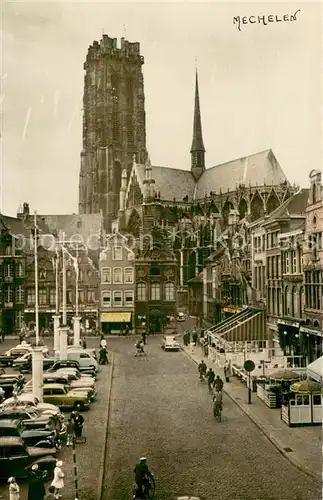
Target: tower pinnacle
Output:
{"points": [[197, 149]]}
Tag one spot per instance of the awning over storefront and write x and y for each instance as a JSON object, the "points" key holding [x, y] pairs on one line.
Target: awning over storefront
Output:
{"points": [[247, 325], [315, 369], [116, 317], [311, 331]]}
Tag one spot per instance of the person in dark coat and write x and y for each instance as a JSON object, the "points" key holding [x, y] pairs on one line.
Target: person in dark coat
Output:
{"points": [[210, 378], [36, 487], [84, 344], [195, 337], [142, 473], [143, 336], [218, 383]]}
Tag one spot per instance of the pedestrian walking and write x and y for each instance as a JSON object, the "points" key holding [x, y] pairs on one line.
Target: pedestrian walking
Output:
{"points": [[143, 336], [14, 490], [70, 431], [84, 344], [226, 370], [78, 422], [195, 337], [103, 356], [103, 342], [210, 378], [36, 488], [51, 494], [188, 337], [58, 481]]}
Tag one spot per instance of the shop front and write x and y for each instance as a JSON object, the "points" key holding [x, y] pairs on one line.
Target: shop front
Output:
{"points": [[116, 323], [291, 341], [312, 343]]}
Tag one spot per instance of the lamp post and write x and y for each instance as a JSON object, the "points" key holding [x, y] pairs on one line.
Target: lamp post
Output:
{"points": [[56, 316], [36, 280], [76, 319], [64, 287]]}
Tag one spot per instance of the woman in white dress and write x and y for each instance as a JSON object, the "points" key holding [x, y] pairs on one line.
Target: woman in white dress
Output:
{"points": [[14, 490], [58, 481]]}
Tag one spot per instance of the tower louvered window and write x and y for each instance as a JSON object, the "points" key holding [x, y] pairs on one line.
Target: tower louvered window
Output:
{"points": [[130, 134], [130, 110], [115, 88]]}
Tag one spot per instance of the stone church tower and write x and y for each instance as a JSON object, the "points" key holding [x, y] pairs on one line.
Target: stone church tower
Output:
{"points": [[114, 124]]}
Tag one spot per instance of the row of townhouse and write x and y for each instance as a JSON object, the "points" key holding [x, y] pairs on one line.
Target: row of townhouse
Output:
{"points": [[17, 269], [278, 268]]}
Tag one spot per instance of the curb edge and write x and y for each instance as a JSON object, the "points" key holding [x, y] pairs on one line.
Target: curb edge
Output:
{"points": [[103, 461], [270, 438]]}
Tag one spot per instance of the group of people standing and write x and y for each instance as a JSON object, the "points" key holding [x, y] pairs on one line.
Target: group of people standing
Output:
{"points": [[36, 484]]}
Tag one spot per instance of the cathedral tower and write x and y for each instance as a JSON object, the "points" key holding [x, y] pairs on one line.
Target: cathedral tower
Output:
{"points": [[114, 123], [197, 149]]}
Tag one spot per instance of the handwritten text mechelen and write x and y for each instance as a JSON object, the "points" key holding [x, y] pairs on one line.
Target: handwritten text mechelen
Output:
{"points": [[266, 19]]}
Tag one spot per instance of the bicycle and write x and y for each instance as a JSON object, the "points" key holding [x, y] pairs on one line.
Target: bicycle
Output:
{"points": [[149, 494], [217, 412]]}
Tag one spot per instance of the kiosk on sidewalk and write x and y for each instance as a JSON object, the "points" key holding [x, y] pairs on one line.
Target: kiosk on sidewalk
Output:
{"points": [[304, 406]]}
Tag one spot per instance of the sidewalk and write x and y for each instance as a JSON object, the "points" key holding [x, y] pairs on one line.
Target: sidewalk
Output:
{"points": [[305, 443]]}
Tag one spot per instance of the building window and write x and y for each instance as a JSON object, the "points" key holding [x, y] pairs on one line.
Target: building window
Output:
{"points": [[52, 297], [106, 299], [19, 320], [8, 294], [42, 274], [69, 297], [155, 291], [141, 291], [106, 275], [42, 297], [81, 296], [91, 296], [69, 273], [8, 250], [19, 270], [117, 275], [8, 270], [80, 275], [128, 275], [20, 295], [128, 298], [169, 291], [89, 273], [117, 253], [30, 297], [117, 298]]}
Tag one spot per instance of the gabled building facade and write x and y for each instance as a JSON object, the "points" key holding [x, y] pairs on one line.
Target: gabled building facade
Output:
{"points": [[312, 331], [117, 286]]}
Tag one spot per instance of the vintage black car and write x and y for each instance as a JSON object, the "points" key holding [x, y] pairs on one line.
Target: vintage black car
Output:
{"points": [[70, 363], [8, 383], [16, 458], [8, 358], [31, 437], [31, 419]]}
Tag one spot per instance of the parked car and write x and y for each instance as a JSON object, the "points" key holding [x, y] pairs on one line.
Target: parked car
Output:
{"points": [[31, 418], [31, 437], [16, 458], [24, 363], [66, 380], [85, 360], [61, 396], [75, 375], [91, 351], [12, 354], [8, 383], [71, 363], [28, 399], [169, 343]]}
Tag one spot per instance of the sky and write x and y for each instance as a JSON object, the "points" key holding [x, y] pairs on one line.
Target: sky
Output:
{"points": [[260, 88]]}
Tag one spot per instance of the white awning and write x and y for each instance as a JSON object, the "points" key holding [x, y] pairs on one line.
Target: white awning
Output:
{"points": [[315, 369]]}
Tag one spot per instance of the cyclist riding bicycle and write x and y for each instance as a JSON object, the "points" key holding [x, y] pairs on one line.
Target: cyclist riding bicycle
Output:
{"points": [[202, 369], [217, 402], [142, 475], [140, 347]]}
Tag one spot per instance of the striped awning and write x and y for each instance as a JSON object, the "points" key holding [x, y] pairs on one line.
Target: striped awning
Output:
{"points": [[116, 317], [245, 326]]}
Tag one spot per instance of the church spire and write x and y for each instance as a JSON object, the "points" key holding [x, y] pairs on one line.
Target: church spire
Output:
{"points": [[197, 149]]}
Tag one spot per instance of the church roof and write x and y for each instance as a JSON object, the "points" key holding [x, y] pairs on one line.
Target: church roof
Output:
{"points": [[171, 182], [74, 224], [256, 169], [17, 226]]}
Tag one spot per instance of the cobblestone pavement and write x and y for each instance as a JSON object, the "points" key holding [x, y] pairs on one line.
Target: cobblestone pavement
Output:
{"points": [[160, 409], [305, 443], [89, 456]]}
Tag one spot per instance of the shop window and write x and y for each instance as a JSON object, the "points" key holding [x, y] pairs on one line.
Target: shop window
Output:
{"points": [[20, 294], [91, 296], [42, 297], [52, 296], [20, 270]]}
